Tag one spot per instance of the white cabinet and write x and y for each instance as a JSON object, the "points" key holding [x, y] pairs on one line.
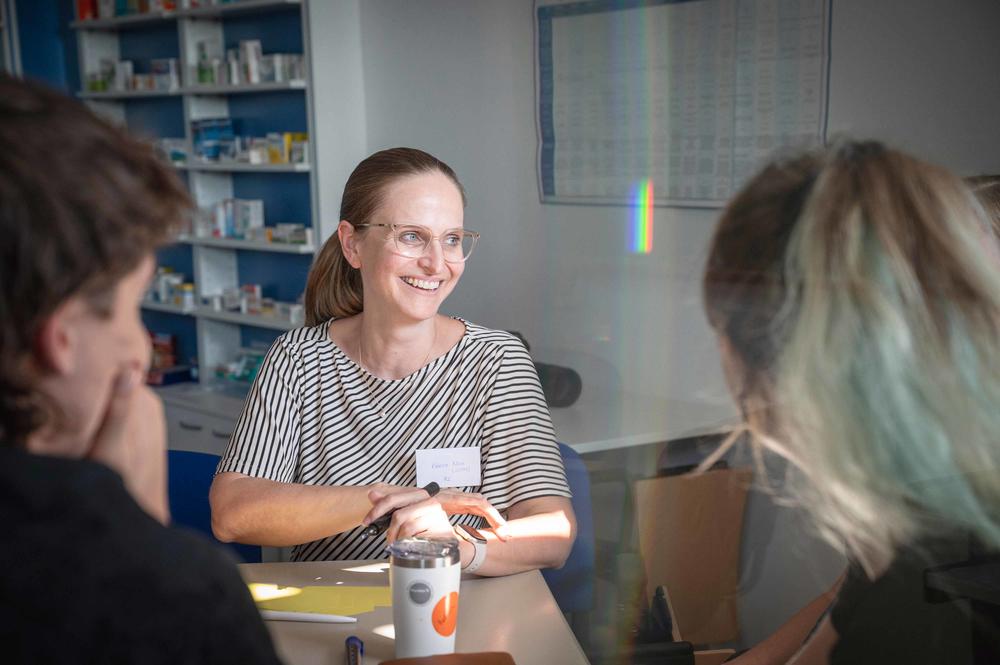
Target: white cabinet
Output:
{"points": [[199, 419]]}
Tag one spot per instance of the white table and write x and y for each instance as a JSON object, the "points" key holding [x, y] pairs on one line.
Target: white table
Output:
{"points": [[602, 420], [516, 614]]}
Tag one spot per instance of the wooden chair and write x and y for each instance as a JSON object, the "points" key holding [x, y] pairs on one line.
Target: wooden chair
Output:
{"points": [[689, 532]]}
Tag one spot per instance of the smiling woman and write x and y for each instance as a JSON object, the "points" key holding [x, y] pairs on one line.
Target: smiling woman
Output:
{"points": [[351, 414]]}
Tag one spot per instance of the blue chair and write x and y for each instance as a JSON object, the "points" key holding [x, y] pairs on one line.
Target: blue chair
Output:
{"points": [[189, 477], [573, 585]]}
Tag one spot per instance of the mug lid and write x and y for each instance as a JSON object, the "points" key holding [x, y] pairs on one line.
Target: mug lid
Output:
{"points": [[424, 552]]}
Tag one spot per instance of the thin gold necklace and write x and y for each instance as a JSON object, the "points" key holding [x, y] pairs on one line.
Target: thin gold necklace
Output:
{"points": [[382, 411]]}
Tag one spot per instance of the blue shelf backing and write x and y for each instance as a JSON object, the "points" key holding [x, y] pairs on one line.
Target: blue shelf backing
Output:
{"points": [[178, 257], [155, 117], [182, 327], [278, 31], [256, 114], [281, 276], [285, 195], [157, 40]]}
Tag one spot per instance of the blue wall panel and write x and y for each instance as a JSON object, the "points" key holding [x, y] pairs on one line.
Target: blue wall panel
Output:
{"points": [[48, 44]]}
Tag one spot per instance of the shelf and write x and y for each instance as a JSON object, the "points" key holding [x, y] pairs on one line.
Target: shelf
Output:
{"points": [[297, 84], [162, 307], [244, 319], [242, 166], [139, 20], [239, 7], [252, 245], [250, 88], [124, 22], [229, 317], [129, 94]]}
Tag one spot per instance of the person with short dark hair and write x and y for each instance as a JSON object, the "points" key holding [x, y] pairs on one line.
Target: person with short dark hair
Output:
{"points": [[89, 573]]}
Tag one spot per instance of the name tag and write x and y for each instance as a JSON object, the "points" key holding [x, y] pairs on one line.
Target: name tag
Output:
{"points": [[449, 467]]}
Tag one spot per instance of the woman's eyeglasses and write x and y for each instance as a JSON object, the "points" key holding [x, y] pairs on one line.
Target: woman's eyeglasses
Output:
{"points": [[413, 241]]}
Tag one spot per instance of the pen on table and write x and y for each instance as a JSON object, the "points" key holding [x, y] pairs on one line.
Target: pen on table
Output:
{"points": [[379, 526], [308, 617], [355, 650]]}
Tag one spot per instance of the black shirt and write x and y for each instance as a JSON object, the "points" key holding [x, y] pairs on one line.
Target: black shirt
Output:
{"points": [[892, 620], [87, 577]]}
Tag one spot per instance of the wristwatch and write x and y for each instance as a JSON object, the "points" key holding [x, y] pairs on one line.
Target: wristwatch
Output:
{"points": [[474, 538]]}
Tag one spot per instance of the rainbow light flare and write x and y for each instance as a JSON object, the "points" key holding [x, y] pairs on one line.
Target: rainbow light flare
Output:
{"points": [[641, 230]]}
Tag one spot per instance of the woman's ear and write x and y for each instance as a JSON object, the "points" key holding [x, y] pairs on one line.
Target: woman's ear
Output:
{"points": [[349, 243]]}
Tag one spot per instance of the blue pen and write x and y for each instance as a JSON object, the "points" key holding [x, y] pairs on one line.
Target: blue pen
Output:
{"points": [[355, 650]]}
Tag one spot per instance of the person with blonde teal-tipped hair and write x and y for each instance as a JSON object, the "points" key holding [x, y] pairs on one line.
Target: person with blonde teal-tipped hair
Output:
{"points": [[855, 292]]}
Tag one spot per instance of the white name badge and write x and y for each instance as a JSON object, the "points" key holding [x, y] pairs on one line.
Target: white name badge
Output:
{"points": [[449, 467]]}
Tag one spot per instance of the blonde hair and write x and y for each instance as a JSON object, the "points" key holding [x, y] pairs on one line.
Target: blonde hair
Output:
{"points": [[333, 287], [987, 190], [860, 297]]}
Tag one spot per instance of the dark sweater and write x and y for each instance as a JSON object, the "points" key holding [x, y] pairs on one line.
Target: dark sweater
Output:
{"points": [[893, 619], [87, 577]]}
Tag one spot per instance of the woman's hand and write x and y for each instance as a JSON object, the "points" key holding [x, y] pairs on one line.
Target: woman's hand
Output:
{"points": [[418, 514]]}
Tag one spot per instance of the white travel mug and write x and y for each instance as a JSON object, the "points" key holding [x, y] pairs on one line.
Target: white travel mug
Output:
{"points": [[424, 575]]}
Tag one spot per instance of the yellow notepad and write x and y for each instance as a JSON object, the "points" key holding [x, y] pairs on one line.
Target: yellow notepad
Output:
{"points": [[343, 600]]}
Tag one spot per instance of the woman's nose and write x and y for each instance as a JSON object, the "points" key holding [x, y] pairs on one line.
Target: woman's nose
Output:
{"points": [[432, 259]]}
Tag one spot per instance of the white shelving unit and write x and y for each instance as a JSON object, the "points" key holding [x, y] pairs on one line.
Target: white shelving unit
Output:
{"points": [[258, 320], [164, 307], [213, 11], [201, 416], [238, 167], [281, 86], [215, 260], [233, 243]]}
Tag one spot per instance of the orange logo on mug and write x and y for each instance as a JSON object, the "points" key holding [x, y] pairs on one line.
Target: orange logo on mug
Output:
{"points": [[445, 615]]}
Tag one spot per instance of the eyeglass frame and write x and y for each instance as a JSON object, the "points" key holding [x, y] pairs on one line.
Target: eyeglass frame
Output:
{"points": [[473, 234]]}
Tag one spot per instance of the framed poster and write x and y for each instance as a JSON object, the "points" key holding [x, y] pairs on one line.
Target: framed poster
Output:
{"points": [[678, 99]]}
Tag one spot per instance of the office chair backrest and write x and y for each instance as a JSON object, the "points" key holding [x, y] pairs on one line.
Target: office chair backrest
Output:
{"points": [[573, 584], [189, 478], [690, 528]]}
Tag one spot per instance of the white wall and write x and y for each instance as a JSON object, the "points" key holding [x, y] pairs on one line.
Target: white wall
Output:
{"points": [[338, 111], [922, 75], [456, 78]]}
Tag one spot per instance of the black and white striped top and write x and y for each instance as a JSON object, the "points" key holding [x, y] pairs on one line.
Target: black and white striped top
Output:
{"points": [[313, 417]]}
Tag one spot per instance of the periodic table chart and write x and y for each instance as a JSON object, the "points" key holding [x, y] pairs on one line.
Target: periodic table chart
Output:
{"points": [[690, 95]]}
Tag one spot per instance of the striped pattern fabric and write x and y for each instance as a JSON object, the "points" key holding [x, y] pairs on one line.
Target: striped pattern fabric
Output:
{"points": [[313, 417]]}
